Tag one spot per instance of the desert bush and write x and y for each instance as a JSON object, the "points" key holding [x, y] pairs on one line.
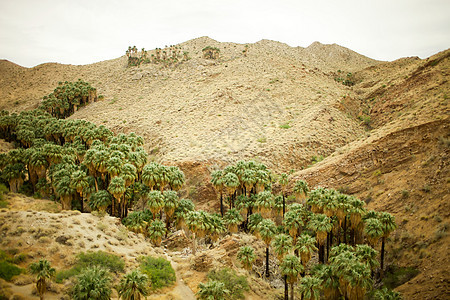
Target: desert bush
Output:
{"points": [[105, 260], [236, 284], [396, 276], [8, 270], [158, 270]]}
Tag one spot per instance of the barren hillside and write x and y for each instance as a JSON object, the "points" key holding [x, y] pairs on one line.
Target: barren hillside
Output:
{"points": [[385, 139]]}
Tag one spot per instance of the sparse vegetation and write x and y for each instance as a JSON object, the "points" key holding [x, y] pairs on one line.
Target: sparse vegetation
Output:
{"points": [[158, 270], [235, 284]]}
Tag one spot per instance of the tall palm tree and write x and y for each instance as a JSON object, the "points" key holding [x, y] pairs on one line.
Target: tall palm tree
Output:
{"points": [[78, 182], [150, 175], [231, 183], [293, 222], [310, 288], [253, 222], [117, 188], [367, 255], [133, 286], [100, 200], [284, 180], [388, 224], [246, 255], [373, 230], [43, 271], [233, 219], [155, 202], [212, 290], [156, 230], [321, 225], [330, 282], [171, 202], [306, 245], [264, 203], [193, 223], [176, 178], [216, 181], [92, 284], [64, 190], [301, 190], [181, 211], [266, 230], [291, 267], [282, 244]]}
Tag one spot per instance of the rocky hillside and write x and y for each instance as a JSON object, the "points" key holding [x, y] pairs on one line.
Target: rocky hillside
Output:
{"points": [[384, 136]]}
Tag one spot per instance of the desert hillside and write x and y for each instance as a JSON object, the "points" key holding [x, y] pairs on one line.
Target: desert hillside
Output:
{"points": [[383, 137]]}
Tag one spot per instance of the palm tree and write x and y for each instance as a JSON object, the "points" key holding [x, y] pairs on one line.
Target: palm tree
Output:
{"points": [[310, 288], [231, 183], [373, 230], [216, 226], [282, 244], [216, 181], [253, 222], [65, 192], [155, 202], [266, 230], [133, 286], [330, 282], [233, 219], [293, 222], [78, 182], [264, 203], [246, 255], [150, 175], [117, 189], [193, 222], [388, 224], [181, 211], [291, 267], [100, 200], [321, 225], [43, 271], [92, 284], [156, 230], [171, 202], [306, 245], [301, 190], [212, 290], [367, 255], [284, 180], [176, 178]]}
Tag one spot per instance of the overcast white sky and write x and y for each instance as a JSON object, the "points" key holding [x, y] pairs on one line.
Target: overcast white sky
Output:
{"points": [[82, 32]]}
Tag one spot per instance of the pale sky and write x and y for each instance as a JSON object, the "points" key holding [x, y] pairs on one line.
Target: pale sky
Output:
{"points": [[83, 32]]}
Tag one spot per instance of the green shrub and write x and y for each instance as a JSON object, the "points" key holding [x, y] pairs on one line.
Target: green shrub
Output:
{"points": [[396, 276], [158, 270], [8, 270], [237, 285], [107, 261], [110, 262]]}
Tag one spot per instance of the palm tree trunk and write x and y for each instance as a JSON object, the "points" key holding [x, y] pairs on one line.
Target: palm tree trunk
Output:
{"points": [[284, 206], [292, 291], [382, 256], [286, 290], [345, 230], [267, 261], [221, 204], [321, 253], [328, 244], [194, 245]]}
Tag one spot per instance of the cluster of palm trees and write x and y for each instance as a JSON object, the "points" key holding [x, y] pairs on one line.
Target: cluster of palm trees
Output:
{"points": [[323, 221], [67, 97], [94, 283], [211, 52], [75, 160], [167, 56]]}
